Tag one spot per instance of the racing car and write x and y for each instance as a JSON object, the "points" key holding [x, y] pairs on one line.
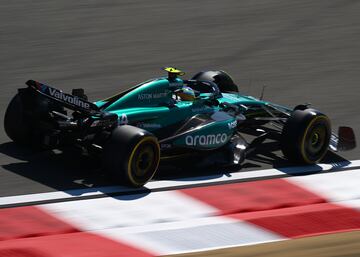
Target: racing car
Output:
{"points": [[167, 117]]}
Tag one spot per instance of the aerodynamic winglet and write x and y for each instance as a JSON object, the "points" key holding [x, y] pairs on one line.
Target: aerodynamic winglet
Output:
{"points": [[344, 141]]}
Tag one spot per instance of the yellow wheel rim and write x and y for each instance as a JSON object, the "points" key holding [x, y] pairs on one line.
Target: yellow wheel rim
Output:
{"points": [[317, 137], [144, 158]]}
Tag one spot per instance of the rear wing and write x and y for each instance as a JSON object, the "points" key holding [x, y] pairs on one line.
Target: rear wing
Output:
{"points": [[67, 100]]}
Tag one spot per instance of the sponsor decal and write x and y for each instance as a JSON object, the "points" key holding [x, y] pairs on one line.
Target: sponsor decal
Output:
{"points": [[175, 84], [149, 96], [212, 139], [74, 100], [149, 125], [201, 109], [165, 146], [232, 124], [123, 119], [144, 96]]}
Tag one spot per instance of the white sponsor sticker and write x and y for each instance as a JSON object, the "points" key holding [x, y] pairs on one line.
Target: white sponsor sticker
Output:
{"points": [[232, 124]]}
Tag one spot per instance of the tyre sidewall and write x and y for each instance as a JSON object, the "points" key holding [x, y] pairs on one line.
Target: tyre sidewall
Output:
{"points": [[296, 131], [120, 150], [16, 124], [221, 78]]}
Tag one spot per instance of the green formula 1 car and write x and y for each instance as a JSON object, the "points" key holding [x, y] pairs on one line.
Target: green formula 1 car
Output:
{"points": [[168, 117]]}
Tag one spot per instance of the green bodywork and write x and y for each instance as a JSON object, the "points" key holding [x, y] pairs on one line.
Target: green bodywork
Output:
{"points": [[152, 107]]}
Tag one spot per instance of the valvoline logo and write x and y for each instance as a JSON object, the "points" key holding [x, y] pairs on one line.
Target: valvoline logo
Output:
{"points": [[68, 98]]}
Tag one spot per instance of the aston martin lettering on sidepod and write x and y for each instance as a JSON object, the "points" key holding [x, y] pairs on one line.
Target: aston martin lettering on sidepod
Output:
{"points": [[149, 96]]}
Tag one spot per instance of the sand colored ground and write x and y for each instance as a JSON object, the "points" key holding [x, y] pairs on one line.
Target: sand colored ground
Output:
{"points": [[334, 245]]}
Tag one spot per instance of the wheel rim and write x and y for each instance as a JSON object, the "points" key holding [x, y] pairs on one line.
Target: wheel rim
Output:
{"points": [[316, 141], [144, 161]]}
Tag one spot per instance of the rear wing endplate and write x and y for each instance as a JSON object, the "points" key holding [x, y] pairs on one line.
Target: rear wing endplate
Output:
{"points": [[344, 140]]}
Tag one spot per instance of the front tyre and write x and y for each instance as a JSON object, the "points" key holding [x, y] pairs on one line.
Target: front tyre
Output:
{"points": [[306, 136], [132, 155]]}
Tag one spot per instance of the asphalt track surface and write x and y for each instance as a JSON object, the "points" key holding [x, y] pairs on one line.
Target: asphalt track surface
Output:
{"points": [[303, 52]]}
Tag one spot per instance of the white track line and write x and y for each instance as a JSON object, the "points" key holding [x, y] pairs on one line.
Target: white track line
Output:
{"points": [[58, 195]]}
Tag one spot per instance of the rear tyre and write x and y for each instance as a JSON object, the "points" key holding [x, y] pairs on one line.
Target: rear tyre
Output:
{"points": [[306, 136], [16, 124], [221, 78], [132, 155]]}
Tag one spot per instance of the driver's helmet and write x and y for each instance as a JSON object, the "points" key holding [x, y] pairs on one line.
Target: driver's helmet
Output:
{"points": [[186, 94]]}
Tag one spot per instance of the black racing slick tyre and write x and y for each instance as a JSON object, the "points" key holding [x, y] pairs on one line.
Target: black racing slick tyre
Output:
{"points": [[131, 155], [306, 136], [221, 78], [15, 123]]}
